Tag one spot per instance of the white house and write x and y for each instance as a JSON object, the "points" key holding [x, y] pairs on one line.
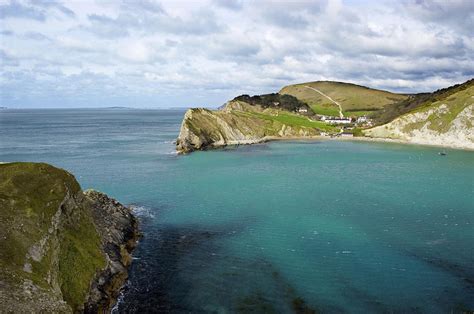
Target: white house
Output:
{"points": [[302, 110], [362, 119], [332, 120]]}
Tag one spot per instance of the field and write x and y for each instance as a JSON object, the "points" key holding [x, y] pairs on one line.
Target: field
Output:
{"points": [[358, 113], [293, 120], [352, 97], [325, 109]]}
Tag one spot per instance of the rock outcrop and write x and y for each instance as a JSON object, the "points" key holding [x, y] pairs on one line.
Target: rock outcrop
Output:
{"points": [[235, 124], [63, 250], [118, 230], [448, 121]]}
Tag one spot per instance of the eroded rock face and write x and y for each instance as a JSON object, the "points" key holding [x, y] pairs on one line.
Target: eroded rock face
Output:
{"points": [[236, 124], [427, 127], [118, 230], [63, 250], [444, 118]]}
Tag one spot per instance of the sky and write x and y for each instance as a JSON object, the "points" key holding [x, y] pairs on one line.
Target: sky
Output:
{"points": [[172, 53]]}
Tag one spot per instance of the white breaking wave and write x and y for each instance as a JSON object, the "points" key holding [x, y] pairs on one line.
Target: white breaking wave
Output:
{"points": [[142, 211]]}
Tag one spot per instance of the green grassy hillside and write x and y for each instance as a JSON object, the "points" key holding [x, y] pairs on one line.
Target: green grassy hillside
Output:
{"points": [[290, 119], [419, 101], [355, 100], [445, 117], [47, 235]]}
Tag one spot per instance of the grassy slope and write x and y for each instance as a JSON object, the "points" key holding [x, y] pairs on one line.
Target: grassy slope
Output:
{"points": [[278, 117], [420, 101], [456, 100], [30, 195], [294, 120], [354, 99]]}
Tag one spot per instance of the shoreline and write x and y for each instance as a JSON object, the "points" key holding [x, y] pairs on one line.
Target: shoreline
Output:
{"points": [[396, 141], [325, 138]]}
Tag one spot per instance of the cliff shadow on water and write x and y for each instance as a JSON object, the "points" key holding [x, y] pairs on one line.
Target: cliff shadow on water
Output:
{"points": [[187, 268]]}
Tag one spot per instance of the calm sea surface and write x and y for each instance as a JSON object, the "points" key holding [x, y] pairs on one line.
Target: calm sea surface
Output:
{"points": [[278, 227]]}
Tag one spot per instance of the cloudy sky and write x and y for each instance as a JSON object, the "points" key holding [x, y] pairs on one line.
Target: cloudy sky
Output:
{"points": [[144, 53]]}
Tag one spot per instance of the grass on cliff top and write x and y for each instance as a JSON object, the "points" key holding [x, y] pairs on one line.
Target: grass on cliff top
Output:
{"points": [[350, 96], [30, 195], [294, 120]]}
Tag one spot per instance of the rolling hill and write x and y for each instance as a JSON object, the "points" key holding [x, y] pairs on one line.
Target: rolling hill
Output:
{"points": [[355, 100]]}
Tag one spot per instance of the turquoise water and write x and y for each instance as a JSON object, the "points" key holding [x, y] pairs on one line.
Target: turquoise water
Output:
{"points": [[332, 226]]}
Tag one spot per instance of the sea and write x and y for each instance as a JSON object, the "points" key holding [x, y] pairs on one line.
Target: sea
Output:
{"points": [[282, 227]]}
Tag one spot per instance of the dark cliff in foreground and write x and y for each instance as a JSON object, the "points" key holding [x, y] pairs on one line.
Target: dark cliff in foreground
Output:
{"points": [[63, 250]]}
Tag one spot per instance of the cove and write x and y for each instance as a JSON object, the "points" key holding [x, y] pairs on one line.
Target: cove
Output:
{"points": [[276, 227]]}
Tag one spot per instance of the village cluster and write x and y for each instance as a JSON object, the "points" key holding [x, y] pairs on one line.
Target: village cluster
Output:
{"points": [[347, 123]]}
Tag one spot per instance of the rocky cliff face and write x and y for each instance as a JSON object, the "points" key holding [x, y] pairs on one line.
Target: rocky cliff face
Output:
{"points": [[237, 123], [118, 230], [63, 250], [445, 122]]}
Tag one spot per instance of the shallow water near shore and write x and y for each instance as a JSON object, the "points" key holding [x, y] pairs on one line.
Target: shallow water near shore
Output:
{"points": [[334, 226]]}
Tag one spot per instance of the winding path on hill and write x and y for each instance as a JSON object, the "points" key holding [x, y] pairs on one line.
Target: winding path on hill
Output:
{"points": [[338, 104]]}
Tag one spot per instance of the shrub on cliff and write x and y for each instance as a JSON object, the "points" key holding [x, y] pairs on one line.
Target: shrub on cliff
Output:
{"points": [[286, 102]]}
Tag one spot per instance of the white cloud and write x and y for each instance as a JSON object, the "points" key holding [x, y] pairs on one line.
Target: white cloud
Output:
{"points": [[135, 51], [172, 53]]}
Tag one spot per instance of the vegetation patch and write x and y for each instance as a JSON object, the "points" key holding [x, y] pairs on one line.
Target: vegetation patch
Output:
{"points": [[359, 113], [357, 132], [285, 102], [30, 195], [327, 109], [419, 102], [44, 221], [79, 259], [294, 120]]}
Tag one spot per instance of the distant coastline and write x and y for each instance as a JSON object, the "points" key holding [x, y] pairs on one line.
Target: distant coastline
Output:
{"points": [[338, 110]]}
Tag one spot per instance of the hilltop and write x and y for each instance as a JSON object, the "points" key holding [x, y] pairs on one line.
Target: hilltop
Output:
{"points": [[63, 250]]}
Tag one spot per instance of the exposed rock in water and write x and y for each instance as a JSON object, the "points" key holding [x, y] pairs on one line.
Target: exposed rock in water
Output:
{"points": [[237, 123], [63, 250]]}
